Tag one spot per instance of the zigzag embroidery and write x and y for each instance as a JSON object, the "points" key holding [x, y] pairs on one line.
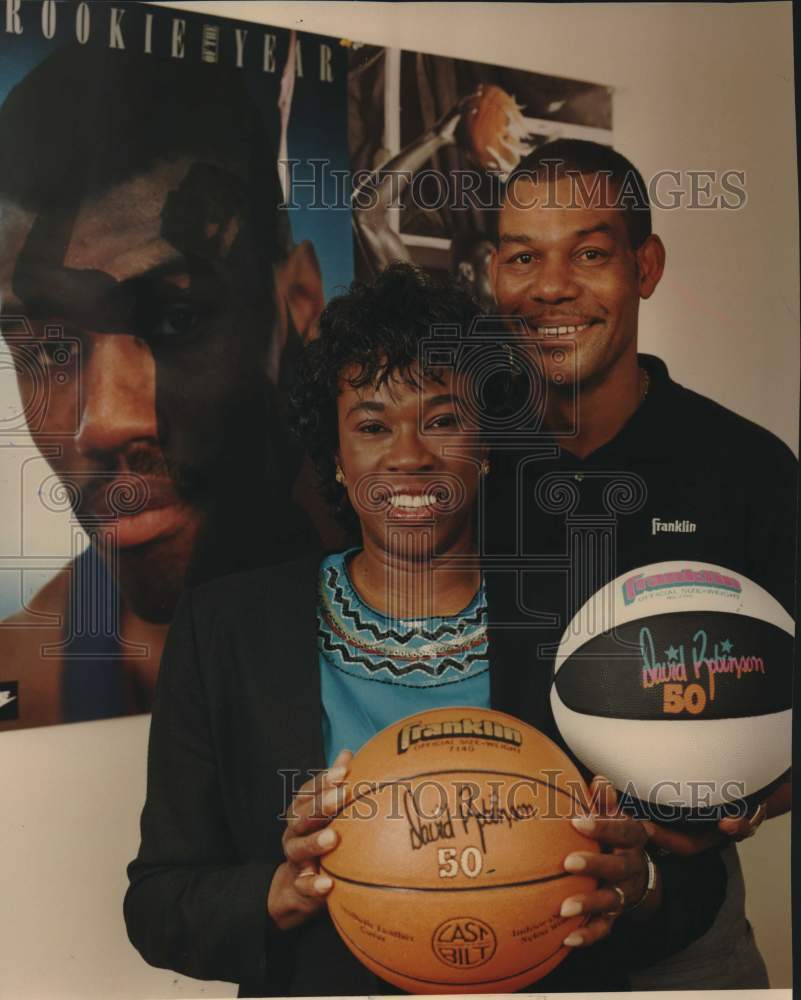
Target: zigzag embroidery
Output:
{"points": [[353, 614], [425, 651], [395, 683], [375, 666]]}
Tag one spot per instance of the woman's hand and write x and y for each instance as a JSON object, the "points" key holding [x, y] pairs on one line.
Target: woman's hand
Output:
{"points": [[622, 874], [298, 890]]}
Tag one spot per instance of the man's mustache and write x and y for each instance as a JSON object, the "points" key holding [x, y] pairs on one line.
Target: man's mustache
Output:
{"points": [[148, 481], [141, 479]]}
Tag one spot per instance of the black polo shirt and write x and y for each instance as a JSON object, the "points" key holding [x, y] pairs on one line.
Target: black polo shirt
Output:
{"points": [[685, 478]]}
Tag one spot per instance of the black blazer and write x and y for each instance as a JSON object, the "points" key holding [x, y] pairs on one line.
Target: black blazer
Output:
{"points": [[236, 725]]}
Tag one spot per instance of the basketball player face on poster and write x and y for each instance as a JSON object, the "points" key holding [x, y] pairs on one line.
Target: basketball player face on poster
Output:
{"points": [[173, 302], [169, 369]]}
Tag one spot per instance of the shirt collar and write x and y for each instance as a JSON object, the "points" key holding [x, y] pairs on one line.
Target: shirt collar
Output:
{"points": [[646, 434]]}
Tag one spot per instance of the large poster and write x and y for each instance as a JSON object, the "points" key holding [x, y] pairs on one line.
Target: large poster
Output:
{"points": [[179, 196], [155, 294]]}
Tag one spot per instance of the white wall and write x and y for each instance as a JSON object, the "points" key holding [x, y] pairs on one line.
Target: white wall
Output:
{"points": [[696, 87], [68, 827]]}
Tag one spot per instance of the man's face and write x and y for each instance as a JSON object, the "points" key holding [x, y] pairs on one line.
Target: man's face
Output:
{"points": [[565, 264], [411, 460], [161, 377]]}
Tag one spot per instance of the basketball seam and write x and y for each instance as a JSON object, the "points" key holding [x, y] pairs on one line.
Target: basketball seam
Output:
{"points": [[445, 888], [380, 786]]}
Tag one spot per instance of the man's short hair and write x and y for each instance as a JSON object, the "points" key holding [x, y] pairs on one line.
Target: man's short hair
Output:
{"points": [[564, 157], [87, 119]]}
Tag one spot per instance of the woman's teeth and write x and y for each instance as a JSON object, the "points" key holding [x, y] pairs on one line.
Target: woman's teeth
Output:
{"points": [[408, 501]]}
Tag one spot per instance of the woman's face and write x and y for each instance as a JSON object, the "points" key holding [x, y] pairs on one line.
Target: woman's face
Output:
{"points": [[411, 456]]}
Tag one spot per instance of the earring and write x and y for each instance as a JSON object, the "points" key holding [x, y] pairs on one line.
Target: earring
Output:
{"points": [[340, 476], [484, 468]]}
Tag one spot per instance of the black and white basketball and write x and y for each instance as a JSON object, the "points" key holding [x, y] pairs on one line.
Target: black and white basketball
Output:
{"points": [[675, 682]]}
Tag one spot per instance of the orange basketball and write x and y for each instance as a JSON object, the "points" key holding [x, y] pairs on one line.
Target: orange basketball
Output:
{"points": [[448, 875], [492, 128]]}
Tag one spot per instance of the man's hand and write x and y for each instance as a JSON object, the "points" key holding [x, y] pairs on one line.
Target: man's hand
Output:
{"points": [[445, 127], [623, 873], [684, 844], [727, 830], [298, 890]]}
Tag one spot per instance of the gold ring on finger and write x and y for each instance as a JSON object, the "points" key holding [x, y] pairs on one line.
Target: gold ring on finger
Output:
{"points": [[621, 898]]}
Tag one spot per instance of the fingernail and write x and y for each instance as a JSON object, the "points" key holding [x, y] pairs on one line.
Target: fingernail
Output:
{"points": [[573, 939], [322, 883], [583, 824], [649, 828], [336, 775], [570, 908], [327, 838], [575, 863]]}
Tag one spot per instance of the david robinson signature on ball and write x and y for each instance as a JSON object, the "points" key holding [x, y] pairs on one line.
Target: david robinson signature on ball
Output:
{"points": [[471, 811]]}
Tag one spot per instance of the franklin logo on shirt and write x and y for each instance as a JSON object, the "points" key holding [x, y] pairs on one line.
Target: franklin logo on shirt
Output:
{"points": [[677, 527]]}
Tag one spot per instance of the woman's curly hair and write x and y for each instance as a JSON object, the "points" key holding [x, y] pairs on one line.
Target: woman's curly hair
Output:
{"points": [[376, 329]]}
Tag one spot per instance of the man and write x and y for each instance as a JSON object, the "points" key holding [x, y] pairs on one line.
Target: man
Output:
{"points": [[575, 255], [148, 281]]}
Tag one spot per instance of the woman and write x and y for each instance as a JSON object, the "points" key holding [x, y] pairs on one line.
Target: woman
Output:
{"points": [[270, 675]]}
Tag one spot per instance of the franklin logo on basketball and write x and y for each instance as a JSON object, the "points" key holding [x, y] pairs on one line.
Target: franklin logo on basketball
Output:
{"points": [[484, 729], [639, 584]]}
